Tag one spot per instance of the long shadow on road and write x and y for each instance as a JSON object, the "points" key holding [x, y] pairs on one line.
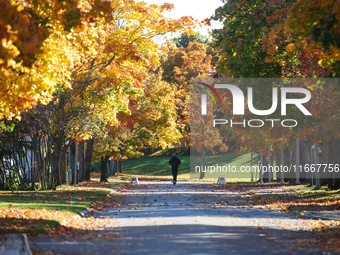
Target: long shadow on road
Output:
{"points": [[187, 219], [185, 239]]}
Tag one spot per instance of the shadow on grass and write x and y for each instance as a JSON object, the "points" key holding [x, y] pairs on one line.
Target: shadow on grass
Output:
{"points": [[18, 225], [73, 201]]}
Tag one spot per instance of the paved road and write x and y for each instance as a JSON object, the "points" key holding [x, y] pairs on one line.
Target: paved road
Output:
{"points": [[188, 219]]}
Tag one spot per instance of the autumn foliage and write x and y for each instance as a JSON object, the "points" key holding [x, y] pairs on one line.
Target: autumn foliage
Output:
{"points": [[87, 71], [285, 39]]}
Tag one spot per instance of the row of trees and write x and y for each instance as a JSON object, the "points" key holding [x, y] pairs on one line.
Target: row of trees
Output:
{"points": [[92, 74], [283, 39], [97, 75]]}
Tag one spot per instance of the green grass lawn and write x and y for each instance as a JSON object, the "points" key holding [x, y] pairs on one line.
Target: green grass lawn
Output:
{"points": [[229, 161], [159, 166], [154, 166], [65, 199], [36, 211]]}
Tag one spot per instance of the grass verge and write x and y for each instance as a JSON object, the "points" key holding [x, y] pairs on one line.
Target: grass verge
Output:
{"points": [[36, 211]]}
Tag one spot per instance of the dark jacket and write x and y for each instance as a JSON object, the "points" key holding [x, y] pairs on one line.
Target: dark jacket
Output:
{"points": [[174, 162]]}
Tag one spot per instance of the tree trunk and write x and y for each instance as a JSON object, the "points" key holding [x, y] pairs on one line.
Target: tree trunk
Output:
{"points": [[73, 161], [277, 156], [112, 162], [81, 161], [56, 176], [202, 173], [103, 175], [305, 159], [291, 174], [33, 170], [286, 164], [329, 172], [119, 166], [271, 166], [336, 163], [114, 167], [41, 162], [325, 158], [63, 164], [88, 159], [265, 169]]}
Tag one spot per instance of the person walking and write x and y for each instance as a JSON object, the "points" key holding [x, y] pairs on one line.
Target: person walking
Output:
{"points": [[174, 162]]}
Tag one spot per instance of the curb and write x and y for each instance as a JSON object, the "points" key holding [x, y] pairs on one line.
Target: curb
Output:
{"points": [[84, 212]]}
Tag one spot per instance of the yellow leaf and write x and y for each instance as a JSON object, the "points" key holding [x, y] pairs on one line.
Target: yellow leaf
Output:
{"points": [[20, 8], [290, 47]]}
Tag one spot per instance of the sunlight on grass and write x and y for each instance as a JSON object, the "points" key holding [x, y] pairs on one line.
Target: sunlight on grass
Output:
{"points": [[36, 211], [66, 198]]}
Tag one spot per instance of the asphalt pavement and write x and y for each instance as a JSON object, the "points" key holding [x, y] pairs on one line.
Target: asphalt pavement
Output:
{"points": [[189, 218]]}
